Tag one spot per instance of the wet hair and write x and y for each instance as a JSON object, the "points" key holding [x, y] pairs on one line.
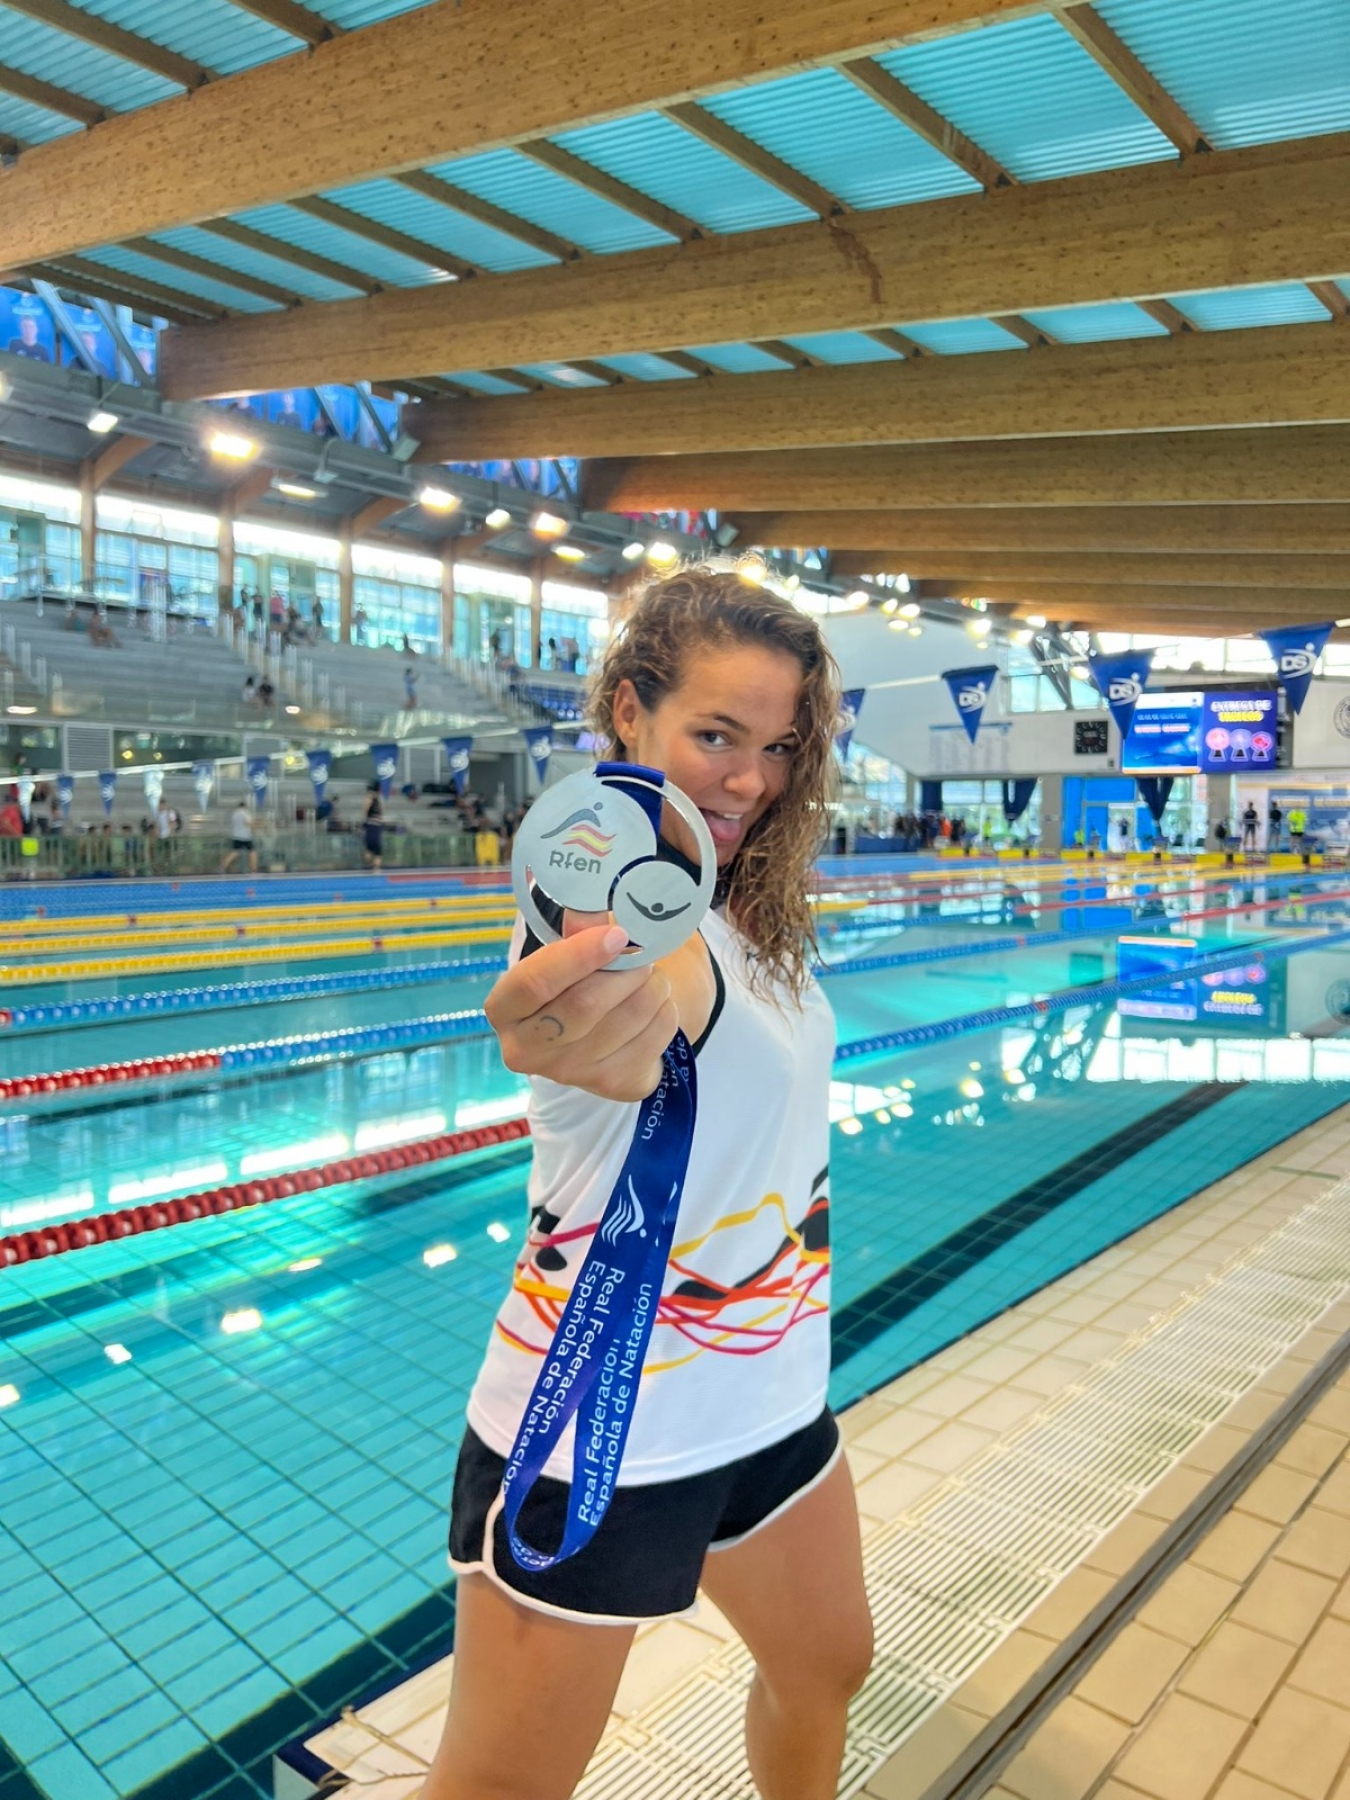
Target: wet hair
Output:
{"points": [[703, 608]]}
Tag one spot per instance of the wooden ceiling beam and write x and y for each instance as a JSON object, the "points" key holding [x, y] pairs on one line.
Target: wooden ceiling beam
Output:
{"points": [[1273, 464], [288, 16], [107, 286], [609, 187], [904, 104], [346, 218], [755, 158], [50, 97], [1270, 213], [213, 271], [374, 513], [115, 458], [91, 29], [1166, 314], [249, 239], [1332, 297], [447, 193], [1282, 375], [150, 293], [1062, 600], [1135, 530], [982, 568], [1110, 52]]}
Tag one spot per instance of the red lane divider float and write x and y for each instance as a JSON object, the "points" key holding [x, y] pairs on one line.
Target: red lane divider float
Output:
{"points": [[146, 1068], [155, 1215]]}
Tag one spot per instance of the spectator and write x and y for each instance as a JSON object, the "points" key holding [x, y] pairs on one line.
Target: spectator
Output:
{"points": [[360, 619], [164, 817], [11, 819], [101, 633], [249, 696], [410, 688], [316, 613], [373, 824], [1298, 824], [241, 840], [1276, 820], [553, 653], [1123, 833], [408, 649], [333, 823], [266, 693], [257, 612], [1221, 833], [487, 846], [276, 608], [1250, 820]]}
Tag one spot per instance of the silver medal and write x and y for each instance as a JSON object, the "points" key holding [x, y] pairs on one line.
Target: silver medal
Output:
{"points": [[590, 847]]}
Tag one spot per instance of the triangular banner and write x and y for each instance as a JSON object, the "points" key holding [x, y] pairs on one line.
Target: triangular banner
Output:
{"points": [[539, 742], [203, 779], [457, 752], [259, 770], [107, 789], [850, 705], [385, 757], [970, 689], [320, 762], [1296, 649], [65, 792], [1120, 679]]}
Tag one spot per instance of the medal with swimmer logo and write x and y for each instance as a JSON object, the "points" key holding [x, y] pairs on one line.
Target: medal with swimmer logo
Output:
{"points": [[590, 844]]}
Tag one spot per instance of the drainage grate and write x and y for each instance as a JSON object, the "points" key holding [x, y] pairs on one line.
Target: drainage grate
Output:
{"points": [[952, 1578]]}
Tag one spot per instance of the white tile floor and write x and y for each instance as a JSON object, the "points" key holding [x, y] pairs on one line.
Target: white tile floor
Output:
{"points": [[928, 1441]]}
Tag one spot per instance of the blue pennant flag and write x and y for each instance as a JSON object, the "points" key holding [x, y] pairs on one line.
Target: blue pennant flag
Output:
{"points": [[971, 689], [154, 787], [385, 757], [850, 705], [65, 791], [107, 789], [1120, 679], [259, 769], [1295, 649], [320, 762], [457, 750], [203, 779], [539, 743]]}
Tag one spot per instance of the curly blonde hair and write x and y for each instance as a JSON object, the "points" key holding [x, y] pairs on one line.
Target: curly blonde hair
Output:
{"points": [[765, 886]]}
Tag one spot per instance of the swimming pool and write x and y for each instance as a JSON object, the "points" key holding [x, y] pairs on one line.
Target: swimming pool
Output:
{"points": [[227, 1456]]}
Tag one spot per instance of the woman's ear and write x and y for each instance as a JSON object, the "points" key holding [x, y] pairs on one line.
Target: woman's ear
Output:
{"points": [[624, 711]]}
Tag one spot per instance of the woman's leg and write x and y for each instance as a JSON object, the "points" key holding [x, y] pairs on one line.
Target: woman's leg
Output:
{"points": [[794, 1591], [530, 1697]]}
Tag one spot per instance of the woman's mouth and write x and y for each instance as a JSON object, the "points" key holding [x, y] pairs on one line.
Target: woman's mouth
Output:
{"points": [[725, 828]]}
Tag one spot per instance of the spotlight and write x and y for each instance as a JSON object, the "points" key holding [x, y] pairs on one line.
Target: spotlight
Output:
{"points": [[296, 490], [753, 568], [101, 421], [980, 628], [902, 582], [572, 553], [910, 610], [1022, 637], [631, 552], [232, 446], [497, 518], [890, 606], [1036, 621], [662, 555], [437, 499], [547, 524]]}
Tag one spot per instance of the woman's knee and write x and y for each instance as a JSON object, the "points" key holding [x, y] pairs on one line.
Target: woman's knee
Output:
{"points": [[829, 1672]]}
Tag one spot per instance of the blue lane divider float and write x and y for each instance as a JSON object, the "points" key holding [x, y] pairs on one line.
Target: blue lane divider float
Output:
{"points": [[324, 1046], [1067, 998], [241, 993]]}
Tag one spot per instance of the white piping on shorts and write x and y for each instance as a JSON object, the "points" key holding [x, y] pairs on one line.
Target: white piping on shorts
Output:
{"points": [[783, 1506]]}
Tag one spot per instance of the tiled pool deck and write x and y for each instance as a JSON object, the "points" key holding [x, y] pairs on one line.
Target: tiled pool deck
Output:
{"points": [[1268, 1244]]}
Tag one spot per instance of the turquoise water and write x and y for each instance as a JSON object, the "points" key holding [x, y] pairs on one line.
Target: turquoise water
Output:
{"points": [[234, 1524]]}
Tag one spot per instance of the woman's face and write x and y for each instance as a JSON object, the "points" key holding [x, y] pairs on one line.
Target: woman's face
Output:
{"points": [[725, 737]]}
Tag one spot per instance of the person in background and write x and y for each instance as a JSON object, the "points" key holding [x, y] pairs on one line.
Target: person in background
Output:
{"points": [[410, 687], [241, 840], [1250, 820], [257, 612], [487, 845], [360, 619], [249, 695], [408, 649], [1275, 818], [373, 824], [289, 414], [266, 692], [1123, 834], [1221, 833], [316, 613], [1298, 824]]}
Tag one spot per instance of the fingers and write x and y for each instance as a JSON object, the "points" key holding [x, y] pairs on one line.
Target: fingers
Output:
{"points": [[537, 980], [634, 1071]]}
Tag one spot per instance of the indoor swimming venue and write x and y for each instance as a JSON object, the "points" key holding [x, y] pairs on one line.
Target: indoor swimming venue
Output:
{"points": [[675, 900]]}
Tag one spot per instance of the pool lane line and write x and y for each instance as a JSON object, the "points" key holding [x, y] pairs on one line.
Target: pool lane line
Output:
{"points": [[39, 975], [95, 1228], [900, 959], [131, 1221], [114, 919], [1091, 994]]}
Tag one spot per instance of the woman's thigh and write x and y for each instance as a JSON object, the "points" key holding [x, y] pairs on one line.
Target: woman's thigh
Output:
{"points": [[794, 1591], [530, 1697]]}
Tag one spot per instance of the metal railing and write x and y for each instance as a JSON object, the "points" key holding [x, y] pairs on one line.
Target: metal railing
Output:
{"points": [[119, 852]]}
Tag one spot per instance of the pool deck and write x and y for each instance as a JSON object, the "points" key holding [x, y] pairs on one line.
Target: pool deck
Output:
{"points": [[1179, 1400]]}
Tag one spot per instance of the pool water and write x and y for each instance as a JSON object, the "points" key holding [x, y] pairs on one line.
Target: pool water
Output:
{"points": [[225, 1462]]}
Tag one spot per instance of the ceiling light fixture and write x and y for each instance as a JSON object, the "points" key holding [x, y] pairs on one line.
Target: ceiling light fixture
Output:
{"points": [[296, 489], [21, 712], [631, 552], [980, 628], [573, 553], [1023, 636], [890, 606], [232, 446], [753, 568], [662, 555], [910, 610], [1036, 621], [902, 582], [437, 499], [497, 518], [102, 421], [547, 524]]}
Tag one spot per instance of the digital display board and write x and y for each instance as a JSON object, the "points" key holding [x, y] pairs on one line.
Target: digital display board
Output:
{"points": [[1164, 736], [1229, 1000], [1214, 733]]}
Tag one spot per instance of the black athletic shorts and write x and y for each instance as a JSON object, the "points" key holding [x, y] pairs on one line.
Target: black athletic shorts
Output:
{"points": [[241, 843], [646, 1559]]}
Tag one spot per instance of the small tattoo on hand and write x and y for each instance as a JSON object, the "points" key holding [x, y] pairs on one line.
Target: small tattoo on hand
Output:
{"points": [[557, 1024]]}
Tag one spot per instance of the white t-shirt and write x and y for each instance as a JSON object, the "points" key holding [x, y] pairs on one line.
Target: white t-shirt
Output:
{"points": [[241, 825], [740, 1353]]}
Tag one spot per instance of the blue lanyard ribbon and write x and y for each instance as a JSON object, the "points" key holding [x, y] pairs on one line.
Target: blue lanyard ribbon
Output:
{"points": [[591, 1369]]}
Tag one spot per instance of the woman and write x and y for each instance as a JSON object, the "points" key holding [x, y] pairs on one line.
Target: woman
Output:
{"points": [[373, 827], [733, 1478]]}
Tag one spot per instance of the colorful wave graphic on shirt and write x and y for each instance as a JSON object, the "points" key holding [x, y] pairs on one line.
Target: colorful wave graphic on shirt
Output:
{"points": [[746, 1317]]}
